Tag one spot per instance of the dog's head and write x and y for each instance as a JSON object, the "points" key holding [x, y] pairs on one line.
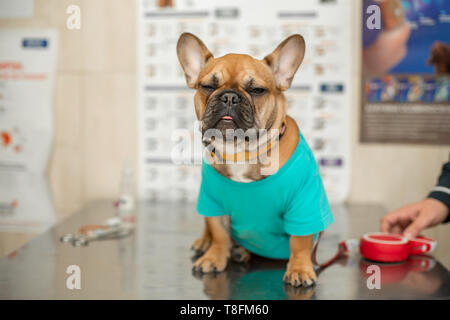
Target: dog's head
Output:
{"points": [[237, 91], [440, 57]]}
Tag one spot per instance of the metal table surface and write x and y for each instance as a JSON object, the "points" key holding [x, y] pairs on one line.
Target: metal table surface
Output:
{"points": [[155, 263]]}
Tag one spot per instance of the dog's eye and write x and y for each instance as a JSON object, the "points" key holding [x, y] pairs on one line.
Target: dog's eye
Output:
{"points": [[258, 91], [207, 88]]}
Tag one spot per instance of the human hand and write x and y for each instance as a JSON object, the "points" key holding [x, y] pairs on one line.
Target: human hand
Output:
{"points": [[388, 50], [413, 218]]}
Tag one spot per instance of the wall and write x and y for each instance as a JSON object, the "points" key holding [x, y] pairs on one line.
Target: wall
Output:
{"points": [[95, 113], [95, 97]]}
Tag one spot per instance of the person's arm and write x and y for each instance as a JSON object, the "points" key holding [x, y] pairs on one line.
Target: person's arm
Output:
{"points": [[415, 217], [441, 191]]}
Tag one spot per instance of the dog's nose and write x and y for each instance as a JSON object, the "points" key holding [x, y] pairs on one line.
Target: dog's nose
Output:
{"points": [[230, 98]]}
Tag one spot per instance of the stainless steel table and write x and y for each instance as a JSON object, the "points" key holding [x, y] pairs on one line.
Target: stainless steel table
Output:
{"points": [[155, 263]]}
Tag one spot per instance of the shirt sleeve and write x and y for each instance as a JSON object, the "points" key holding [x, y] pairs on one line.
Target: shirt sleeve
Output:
{"points": [[308, 212], [441, 191], [207, 204]]}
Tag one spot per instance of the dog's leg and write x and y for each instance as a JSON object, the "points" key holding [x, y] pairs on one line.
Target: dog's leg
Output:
{"points": [[202, 244], [300, 271], [216, 257], [239, 254]]}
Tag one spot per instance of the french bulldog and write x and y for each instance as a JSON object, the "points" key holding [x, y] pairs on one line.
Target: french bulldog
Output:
{"points": [[237, 91]]}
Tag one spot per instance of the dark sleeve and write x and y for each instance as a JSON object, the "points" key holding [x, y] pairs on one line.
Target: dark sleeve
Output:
{"points": [[441, 191]]}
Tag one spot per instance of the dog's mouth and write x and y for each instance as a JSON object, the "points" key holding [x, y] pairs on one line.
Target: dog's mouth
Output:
{"points": [[222, 115], [228, 128], [226, 122]]}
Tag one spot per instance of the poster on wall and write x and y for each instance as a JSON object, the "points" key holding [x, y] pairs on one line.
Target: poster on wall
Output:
{"points": [[27, 67], [16, 9], [319, 99], [406, 65]]}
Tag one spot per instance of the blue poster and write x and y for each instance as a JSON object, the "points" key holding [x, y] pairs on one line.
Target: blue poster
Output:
{"points": [[407, 58], [430, 27]]}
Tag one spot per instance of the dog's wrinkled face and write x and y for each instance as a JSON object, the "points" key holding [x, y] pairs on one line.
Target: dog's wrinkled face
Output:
{"points": [[236, 91]]}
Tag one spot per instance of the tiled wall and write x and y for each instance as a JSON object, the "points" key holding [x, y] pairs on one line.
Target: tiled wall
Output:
{"points": [[95, 96], [95, 113]]}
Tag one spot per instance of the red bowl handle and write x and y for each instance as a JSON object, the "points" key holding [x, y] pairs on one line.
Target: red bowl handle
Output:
{"points": [[421, 245]]}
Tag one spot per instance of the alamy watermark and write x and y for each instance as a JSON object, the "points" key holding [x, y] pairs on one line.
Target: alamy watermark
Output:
{"points": [[73, 281], [236, 146], [374, 280], [373, 21], [73, 21]]}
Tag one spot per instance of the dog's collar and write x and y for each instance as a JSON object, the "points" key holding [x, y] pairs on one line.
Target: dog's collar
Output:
{"points": [[248, 155]]}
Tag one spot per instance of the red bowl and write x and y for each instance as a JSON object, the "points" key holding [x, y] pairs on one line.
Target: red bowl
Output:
{"points": [[384, 247]]}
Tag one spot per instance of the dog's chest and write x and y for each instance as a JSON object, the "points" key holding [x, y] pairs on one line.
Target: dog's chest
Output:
{"points": [[239, 172]]}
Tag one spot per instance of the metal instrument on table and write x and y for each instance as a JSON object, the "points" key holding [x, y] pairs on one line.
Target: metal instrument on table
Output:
{"points": [[112, 229]]}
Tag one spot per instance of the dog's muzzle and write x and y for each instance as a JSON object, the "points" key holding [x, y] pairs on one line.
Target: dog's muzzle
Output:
{"points": [[228, 109]]}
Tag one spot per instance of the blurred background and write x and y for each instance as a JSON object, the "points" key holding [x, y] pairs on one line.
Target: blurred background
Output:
{"points": [[97, 96]]}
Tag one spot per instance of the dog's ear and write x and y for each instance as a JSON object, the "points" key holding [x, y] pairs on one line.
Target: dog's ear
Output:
{"points": [[285, 60], [193, 56]]}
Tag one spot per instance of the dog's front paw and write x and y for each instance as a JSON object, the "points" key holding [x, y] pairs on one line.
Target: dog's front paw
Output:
{"points": [[300, 276], [214, 260], [201, 244]]}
